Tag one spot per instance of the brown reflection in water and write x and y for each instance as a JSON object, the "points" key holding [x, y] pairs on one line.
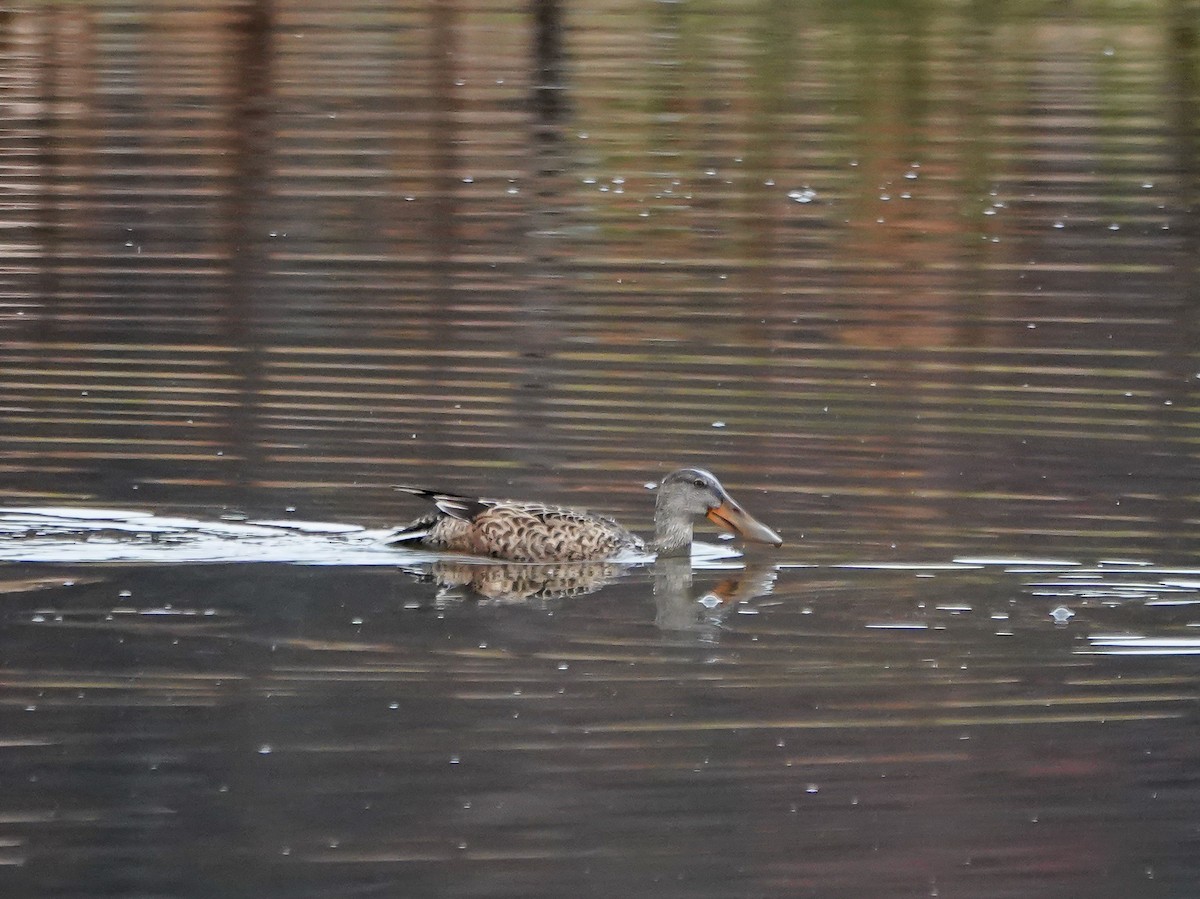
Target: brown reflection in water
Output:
{"points": [[565, 249], [1180, 399], [251, 153]]}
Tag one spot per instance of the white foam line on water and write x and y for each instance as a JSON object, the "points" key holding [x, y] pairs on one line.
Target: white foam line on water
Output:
{"points": [[1067, 583], [324, 527], [898, 626], [908, 566], [68, 514], [97, 536], [1148, 642], [1002, 561], [1130, 649]]}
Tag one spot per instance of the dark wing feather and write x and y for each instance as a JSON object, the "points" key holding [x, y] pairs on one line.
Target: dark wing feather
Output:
{"points": [[464, 508]]}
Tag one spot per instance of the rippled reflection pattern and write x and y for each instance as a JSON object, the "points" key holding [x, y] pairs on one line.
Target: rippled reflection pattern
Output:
{"points": [[919, 280]]}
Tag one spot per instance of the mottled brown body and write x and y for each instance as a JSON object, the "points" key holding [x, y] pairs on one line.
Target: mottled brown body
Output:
{"points": [[518, 532]]}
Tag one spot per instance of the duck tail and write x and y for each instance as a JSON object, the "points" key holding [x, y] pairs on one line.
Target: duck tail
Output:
{"points": [[415, 532], [464, 508]]}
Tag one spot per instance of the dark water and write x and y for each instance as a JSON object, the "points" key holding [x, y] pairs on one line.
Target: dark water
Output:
{"points": [[919, 281]]}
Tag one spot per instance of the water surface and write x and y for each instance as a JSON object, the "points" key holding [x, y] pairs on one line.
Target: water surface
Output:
{"points": [[917, 281]]}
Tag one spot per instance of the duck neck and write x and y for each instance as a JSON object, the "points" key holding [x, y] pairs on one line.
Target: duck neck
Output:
{"points": [[672, 530]]}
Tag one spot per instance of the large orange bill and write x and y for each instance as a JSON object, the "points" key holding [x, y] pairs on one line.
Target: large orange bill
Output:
{"points": [[732, 517]]}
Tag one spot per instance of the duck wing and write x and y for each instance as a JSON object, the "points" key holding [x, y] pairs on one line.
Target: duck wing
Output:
{"points": [[534, 532]]}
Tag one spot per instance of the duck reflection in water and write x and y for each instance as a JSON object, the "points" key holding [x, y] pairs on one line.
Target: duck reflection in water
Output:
{"points": [[515, 581], [679, 605]]}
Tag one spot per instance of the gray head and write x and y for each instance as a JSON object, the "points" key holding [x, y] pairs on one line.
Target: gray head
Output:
{"points": [[689, 492]]}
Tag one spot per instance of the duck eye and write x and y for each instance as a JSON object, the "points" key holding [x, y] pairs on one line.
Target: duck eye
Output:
{"points": [[699, 482]]}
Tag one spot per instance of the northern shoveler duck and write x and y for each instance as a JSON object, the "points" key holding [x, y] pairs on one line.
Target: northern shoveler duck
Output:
{"points": [[534, 532]]}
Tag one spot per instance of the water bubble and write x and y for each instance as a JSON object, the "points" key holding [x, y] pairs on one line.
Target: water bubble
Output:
{"points": [[802, 195], [265, 749]]}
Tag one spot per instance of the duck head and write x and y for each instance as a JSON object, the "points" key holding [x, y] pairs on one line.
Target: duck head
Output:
{"points": [[690, 492]]}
